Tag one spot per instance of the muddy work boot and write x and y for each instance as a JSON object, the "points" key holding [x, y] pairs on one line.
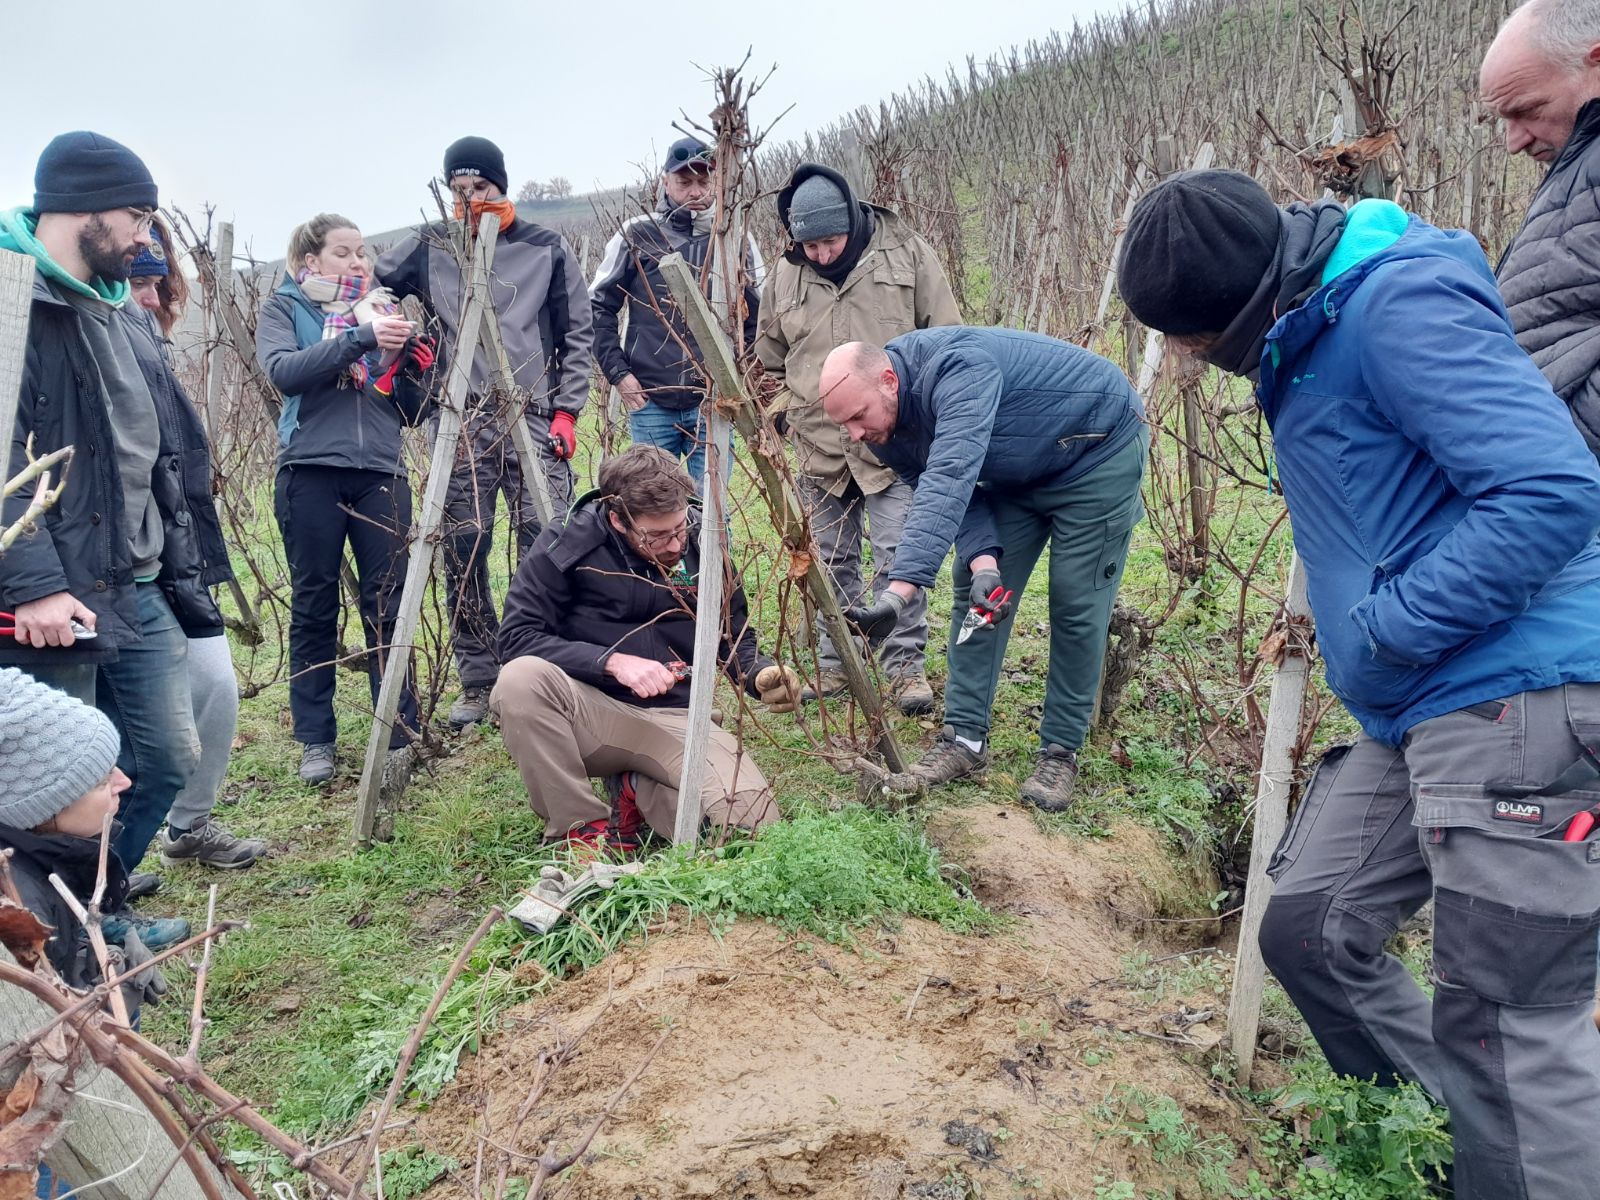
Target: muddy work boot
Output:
{"points": [[829, 684], [472, 707], [946, 760], [316, 762], [912, 693], [1049, 788]]}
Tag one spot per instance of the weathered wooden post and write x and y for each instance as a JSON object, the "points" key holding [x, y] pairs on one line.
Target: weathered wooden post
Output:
{"points": [[16, 303], [1273, 784], [424, 546], [788, 513], [222, 266]]}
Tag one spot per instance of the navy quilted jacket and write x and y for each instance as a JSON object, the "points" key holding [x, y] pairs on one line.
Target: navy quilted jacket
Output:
{"points": [[993, 410]]}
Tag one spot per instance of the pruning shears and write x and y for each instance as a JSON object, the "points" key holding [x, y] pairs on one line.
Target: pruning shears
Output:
{"points": [[680, 669], [983, 618], [8, 628]]}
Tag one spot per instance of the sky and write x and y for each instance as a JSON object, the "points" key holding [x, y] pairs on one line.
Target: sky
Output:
{"points": [[274, 112]]}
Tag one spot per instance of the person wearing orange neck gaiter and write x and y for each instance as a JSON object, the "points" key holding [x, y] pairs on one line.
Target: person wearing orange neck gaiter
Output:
{"points": [[542, 303]]}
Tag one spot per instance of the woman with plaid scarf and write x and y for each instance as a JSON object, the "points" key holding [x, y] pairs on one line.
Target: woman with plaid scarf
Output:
{"points": [[351, 372]]}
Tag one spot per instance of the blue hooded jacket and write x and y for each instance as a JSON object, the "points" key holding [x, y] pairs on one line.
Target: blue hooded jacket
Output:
{"points": [[1443, 502], [998, 409]]}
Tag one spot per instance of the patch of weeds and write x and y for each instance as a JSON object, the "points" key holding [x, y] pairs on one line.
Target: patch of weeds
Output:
{"points": [[1156, 980], [1379, 1143], [412, 1171], [1159, 1125]]}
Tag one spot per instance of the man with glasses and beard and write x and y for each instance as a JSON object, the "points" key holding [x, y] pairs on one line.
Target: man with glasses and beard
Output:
{"points": [[596, 641], [91, 619]]}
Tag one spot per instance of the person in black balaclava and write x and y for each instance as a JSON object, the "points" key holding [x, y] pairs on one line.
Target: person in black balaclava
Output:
{"points": [[660, 383], [853, 272]]}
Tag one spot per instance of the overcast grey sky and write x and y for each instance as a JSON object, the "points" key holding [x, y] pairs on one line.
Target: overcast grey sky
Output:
{"points": [[279, 110]]}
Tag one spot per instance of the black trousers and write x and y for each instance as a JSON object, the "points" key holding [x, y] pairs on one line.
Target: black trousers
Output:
{"points": [[319, 509]]}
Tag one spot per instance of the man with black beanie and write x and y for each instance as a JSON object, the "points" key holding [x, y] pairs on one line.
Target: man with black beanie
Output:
{"points": [[91, 618], [1445, 509], [543, 308]]}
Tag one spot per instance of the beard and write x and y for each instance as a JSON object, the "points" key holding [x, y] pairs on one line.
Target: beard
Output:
{"points": [[101, 254]]}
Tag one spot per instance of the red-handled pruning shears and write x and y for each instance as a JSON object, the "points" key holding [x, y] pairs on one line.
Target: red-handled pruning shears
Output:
{"points": [[8, 628], [1582, 825], [983, 618]]}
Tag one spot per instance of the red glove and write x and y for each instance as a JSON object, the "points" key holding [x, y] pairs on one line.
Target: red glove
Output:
{"points": [[422, 352], [563, 437]]}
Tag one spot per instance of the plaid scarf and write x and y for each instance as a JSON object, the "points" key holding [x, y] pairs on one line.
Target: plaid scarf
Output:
{"points": [[341, 298]]}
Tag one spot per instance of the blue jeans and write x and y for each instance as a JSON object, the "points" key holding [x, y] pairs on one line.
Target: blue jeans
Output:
{"points": [[678, 431], [146, 695]]}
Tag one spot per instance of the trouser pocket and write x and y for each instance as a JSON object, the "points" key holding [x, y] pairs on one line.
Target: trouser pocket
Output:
{"points": [[1306, 812], [1510, 955]]}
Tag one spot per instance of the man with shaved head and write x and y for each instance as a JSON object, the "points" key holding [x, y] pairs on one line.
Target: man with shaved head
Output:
{"points": [[1010, 440], [1541, 77]]}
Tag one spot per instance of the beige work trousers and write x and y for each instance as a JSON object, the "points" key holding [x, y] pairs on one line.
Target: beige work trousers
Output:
{"points": [[561, 733]]}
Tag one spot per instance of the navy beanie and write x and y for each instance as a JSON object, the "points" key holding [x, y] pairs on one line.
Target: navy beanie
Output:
{"points": [[84, 172], [476, 156], [1197, 247]]}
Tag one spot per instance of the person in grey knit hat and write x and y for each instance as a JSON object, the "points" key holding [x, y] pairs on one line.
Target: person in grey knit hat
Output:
{"points": [[53, 750], [59, 781]]}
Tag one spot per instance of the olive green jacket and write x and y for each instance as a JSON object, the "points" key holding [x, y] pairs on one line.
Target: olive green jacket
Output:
{"points": [[899, 285]]}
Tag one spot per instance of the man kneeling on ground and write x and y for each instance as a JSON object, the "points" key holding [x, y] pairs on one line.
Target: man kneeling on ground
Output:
{"points": [[598, 627]]}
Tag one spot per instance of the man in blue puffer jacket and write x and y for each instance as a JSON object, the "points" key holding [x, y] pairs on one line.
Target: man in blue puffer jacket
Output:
{"points": [[1445, 509], [1009, 439]]}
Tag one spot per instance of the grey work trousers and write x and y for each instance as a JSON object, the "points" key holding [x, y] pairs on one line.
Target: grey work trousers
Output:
{"points": [[1464, 812], [840, 524], [214, 691], [486, 463], [561, 733]]}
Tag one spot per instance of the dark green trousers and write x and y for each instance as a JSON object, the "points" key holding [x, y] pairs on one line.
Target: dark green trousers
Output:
{"points": [[1088, 524]]}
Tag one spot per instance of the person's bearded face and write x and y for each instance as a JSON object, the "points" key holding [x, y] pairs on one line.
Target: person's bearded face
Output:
{"points": [[106, 253]]}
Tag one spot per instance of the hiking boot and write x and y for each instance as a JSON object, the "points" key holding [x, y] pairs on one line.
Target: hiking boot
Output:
{"points": [[157, 933], [1049, 788], [627, 828], [829, 684], [912, 693], [142, 884], [316, 762], [472, 707], [946, 760], [210, 845]]}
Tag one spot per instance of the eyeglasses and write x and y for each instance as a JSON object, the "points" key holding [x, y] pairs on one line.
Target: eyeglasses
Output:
{"points": [[143, 219], [654, 541]]}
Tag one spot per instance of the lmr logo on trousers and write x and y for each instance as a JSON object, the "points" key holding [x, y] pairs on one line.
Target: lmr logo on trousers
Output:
{"points": [[1517, 810]]}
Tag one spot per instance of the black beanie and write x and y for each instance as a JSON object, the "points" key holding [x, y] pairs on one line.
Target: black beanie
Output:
{"points": [[86, 172], [1197, 247], [476, 156]]}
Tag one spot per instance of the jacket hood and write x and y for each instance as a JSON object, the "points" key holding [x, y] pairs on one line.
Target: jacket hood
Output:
{"points": [[1301, 326], [17, 233]]}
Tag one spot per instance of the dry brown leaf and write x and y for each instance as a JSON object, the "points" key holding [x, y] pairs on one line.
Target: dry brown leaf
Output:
{"points": [[23, 934]]}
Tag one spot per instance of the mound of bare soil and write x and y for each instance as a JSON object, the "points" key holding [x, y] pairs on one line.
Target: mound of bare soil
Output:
{"points": [[799, 1068]]}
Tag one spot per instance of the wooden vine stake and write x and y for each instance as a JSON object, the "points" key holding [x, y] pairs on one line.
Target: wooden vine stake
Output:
{"points": [[16, 303], [1273, 784]]}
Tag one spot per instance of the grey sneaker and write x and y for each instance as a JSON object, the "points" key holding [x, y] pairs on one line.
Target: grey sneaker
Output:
{"points": [[1049, 788], [830, 683], [142, 884], [946, 760], [472, 707], [316, 762], [211, 845], [913, 693]]}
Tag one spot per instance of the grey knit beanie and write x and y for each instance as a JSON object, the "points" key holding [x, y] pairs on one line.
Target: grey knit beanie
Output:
{"points": [[53, 749], [818, 209]]}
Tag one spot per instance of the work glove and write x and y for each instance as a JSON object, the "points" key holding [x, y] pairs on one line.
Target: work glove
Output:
{"points": [[779, 689], [149, 985], [876, 621], [984, 585], [563, 437], [417, 356]]}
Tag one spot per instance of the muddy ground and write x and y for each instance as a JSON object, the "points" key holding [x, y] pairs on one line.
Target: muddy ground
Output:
{"points": [[921, 1059]]}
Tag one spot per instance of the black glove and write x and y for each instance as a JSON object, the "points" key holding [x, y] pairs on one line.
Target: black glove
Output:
{"points": [[875, 622], [984, 584], [149, 985]]}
